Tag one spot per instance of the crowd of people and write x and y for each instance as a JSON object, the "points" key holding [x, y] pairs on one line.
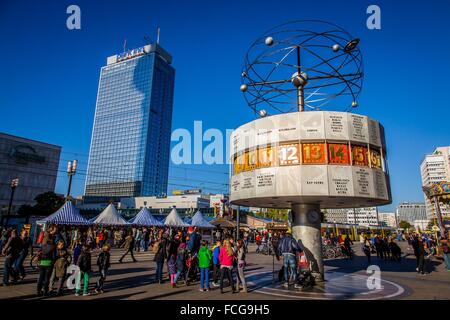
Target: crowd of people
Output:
{"points": [[386, 248], [187, 256]]}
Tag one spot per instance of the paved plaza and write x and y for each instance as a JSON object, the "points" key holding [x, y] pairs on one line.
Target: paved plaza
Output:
{"points": [[345, 279]]}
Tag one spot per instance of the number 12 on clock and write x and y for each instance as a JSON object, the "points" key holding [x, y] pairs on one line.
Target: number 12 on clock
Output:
{"points": [[289, 154]]}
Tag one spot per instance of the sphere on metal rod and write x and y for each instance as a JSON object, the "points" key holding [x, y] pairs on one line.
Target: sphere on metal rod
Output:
{"points": [[269, 41], [336, 47], [262, 113], [299, 80], [244, 87]]}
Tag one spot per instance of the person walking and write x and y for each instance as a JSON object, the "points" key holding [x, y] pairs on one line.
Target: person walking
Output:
{"points": [[216, 263], [288, 248], [204, 262], [129, 247], [181, 260], [226, 259], [101, 238], [84, 263], [26, 245], [160, 257], [137, 240], [59, 268], [103, 263], [396, 252], [367, 249], [172, 268], [348, 246], [415, 246], [421, 257], [146, 239], [12, 251], [46, 257], [240, 279]]}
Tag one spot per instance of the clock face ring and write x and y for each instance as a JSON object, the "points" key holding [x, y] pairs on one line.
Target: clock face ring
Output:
{"points": [[313, 216]]}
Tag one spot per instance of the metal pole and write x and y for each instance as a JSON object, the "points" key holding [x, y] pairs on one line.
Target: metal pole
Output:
{"points": [[70, 185], [439, 216], [300, 89], [10, 205], [237, 223]]}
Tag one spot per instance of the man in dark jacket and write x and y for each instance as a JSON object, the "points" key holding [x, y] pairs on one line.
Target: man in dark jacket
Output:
{"points": [[103, 263], [288, 248], [193, 243], [12, 251], [26, 245], [415, 246], [47, 257], [84, 263]]}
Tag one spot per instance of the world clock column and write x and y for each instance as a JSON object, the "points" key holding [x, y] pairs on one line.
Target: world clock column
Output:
{"points": [[306, 229]]}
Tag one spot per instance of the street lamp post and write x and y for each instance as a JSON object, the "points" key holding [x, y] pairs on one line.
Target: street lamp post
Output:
{"points": [[71, 170], [237, 223], [14, 184]]}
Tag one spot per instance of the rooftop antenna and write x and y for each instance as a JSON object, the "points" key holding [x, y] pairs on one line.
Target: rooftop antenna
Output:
{"points": [[157, 38]]}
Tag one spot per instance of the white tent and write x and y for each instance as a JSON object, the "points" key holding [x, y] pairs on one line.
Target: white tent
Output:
{"points": [[110, 217], [174, 220], [199, 221]]}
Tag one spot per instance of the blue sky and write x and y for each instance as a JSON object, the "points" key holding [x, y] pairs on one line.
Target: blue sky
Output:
{"points": [[49, 74]]}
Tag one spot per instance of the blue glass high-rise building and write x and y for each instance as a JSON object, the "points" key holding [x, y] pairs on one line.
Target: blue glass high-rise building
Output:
{"points": [[130, 146]]}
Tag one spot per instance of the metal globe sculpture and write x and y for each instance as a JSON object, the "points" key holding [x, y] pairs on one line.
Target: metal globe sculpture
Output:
{"points": [[303, 65]]}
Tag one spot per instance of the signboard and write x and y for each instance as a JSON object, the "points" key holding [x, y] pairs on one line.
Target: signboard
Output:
{"points": [[313, 153], [360, 156], [265, 182], [288, 127], [374, 133], [289, 154], [379, 181], [312, 125], [340, 181], [338, 153], [266, 130], [375, 158], [250, 160], [131, 54], [358, 128], [193, 191], [287, 181], [266, 157], [362, 182], [247, 184], [314, 180], [336, 126], [24, 154]]}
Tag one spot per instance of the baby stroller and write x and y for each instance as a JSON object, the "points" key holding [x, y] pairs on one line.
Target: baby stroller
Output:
{"points": [[191, 271], [305, 279]]}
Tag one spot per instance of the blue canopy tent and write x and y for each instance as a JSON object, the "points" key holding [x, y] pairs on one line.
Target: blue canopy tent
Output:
{"points": [[67, 214], [144, 218], [199, 221]]}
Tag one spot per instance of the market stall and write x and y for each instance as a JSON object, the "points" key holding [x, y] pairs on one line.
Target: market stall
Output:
{"points": [[110, 217], [145, 219]]}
